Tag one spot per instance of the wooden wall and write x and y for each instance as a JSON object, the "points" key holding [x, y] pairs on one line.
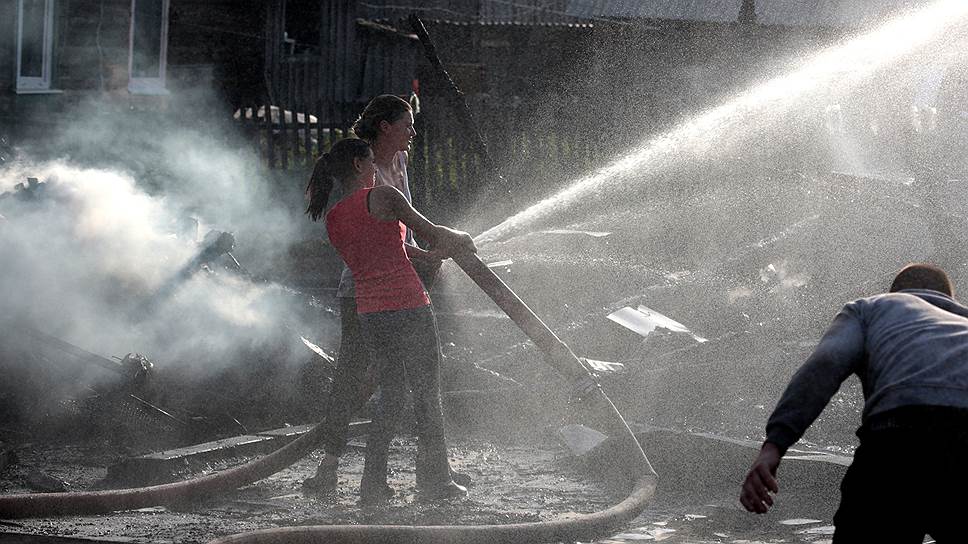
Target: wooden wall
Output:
{"points": [[8, 45], [90, 55], [217, 44]]}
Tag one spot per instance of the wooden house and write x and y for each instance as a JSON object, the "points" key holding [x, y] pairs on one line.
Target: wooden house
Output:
{"points": [[125, 53], [197, 59]]}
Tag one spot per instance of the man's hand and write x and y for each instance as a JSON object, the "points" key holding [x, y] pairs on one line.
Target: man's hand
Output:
{"points": [[761, 480]]}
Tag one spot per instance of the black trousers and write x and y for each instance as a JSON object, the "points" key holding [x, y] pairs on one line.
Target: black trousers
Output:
{"points": [[909, 478], [354, 380], [405, 348]]}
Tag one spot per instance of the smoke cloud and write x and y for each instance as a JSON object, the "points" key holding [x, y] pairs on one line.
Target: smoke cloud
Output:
{"points": [[95, 250]]}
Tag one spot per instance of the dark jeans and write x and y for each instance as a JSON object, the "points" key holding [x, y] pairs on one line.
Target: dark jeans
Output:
{"points": [[405, 348], [909, 478], [353, 382]]}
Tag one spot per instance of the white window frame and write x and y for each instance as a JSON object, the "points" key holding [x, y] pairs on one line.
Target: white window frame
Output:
{"points": [[149, 85], [33, 84]]}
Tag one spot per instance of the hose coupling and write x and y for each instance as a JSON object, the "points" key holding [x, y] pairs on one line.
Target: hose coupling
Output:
{"points": [[586, 387]]}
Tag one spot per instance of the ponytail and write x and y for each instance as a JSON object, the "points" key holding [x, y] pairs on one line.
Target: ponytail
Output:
{"points": [[332, 167], [320, 185]]}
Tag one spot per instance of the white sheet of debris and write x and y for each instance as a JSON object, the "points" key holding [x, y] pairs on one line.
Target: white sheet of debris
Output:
{"points": [[580, 439], [644, 320]]}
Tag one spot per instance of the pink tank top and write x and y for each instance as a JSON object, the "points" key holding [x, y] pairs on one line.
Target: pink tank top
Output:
{"points": [[374, 252]]}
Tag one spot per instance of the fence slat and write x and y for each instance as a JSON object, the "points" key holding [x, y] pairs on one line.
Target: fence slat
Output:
{"points": [[283, 133], [291, 106], [269, 136], [305, 106]]}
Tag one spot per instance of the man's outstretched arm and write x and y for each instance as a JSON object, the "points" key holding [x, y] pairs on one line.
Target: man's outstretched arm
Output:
{"points": [[838, 355]]}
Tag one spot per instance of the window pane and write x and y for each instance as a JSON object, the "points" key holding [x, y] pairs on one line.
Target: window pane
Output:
{"points": [[32, 39], [148, 16]]}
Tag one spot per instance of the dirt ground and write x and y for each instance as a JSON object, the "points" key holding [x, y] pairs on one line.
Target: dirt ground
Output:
{"points": [[512, 483]]}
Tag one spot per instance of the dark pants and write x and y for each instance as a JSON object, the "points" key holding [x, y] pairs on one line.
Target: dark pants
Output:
{"points": [[404, 347], [909, 478], [353, 382]]}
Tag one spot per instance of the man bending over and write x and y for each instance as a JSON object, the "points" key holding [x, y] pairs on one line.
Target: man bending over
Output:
{"points": [[909, 476]]}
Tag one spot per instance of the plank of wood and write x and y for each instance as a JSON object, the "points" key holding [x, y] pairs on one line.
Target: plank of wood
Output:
{"points": [[165, 466]]}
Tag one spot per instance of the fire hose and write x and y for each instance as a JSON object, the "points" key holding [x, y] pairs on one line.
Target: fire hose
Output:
{"points": [[585, 527], [581, 527]]}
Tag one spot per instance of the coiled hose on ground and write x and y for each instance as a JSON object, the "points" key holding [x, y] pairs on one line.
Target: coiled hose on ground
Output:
{"points": [[597, 525], [35, 505]]}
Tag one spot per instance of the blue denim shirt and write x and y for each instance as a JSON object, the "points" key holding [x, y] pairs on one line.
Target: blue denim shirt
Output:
{"points": [[908, 348]]}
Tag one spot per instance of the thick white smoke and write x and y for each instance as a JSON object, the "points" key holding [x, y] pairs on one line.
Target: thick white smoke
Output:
{"points": [[95, 252]]}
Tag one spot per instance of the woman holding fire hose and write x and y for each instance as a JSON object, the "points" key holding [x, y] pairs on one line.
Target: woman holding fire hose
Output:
{"points": [[387, 123]]}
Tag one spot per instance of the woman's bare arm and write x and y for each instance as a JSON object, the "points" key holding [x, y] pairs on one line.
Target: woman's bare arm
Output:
{"points": [[388, 204]]}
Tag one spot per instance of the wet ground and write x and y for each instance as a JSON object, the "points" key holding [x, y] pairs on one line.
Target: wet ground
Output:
{"points": [[512, 483]]}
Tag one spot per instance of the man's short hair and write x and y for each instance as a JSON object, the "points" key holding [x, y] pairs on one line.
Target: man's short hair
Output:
{"points": [[923, 276]]}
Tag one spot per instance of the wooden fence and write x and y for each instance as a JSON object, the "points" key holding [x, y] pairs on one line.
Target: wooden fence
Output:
{"points": [[296, 125], [447, 177]]}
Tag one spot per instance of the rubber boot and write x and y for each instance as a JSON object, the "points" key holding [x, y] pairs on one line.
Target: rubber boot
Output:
{"points": [[374, 490], [444, 490], [374, 493], [425, 473], [460, 478], [326, 477]]}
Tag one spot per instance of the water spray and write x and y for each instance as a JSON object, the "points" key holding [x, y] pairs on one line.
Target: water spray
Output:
{"points": [[845, 64]]}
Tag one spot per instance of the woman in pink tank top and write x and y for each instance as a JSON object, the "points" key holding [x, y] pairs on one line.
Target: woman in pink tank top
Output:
{"points": [[387, 125], [368, 229]]}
